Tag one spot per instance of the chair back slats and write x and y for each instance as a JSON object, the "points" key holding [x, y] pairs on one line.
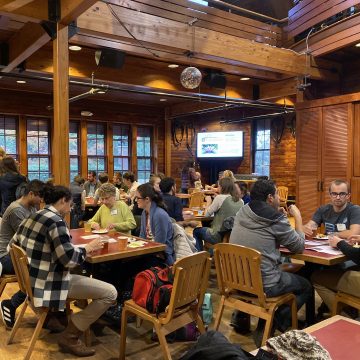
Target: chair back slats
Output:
{"points": [[238, 268], [190, 281], [21, 267], [283, 192], [196, 199]]}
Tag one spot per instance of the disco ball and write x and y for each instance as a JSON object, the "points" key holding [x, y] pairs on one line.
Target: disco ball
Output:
{"points": [[190, 78]]}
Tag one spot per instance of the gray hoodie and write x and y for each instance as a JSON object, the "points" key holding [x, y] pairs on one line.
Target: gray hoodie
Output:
{"points": [[259, 226]]}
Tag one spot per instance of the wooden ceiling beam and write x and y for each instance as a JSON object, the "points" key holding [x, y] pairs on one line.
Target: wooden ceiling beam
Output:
{"points": [[152, 30], [11, 5], [276, 89], [72, 9], [33, 11], [24, 43]]}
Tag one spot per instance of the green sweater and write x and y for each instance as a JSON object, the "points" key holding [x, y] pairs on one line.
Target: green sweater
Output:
{"points": [[120, 215]]}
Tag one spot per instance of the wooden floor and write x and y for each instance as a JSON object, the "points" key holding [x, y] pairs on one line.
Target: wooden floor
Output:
{"points": [[139, 345]]}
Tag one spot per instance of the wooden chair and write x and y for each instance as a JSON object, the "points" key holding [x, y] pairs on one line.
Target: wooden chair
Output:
{"points": [[21, 266], [342, 299], [6, 279], [283, 192], [196, 200], [193, 190], [238, 269], [190, 283]]}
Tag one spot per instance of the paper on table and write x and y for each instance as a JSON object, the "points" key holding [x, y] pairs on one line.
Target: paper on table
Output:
{"points": [[327, 249], [316, 243], [79, 245], [136, 244], [111, 240], [89, 237]]}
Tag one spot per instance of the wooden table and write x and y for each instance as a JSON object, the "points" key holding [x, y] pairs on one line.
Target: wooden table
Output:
{"points": [[183, 196], [111, 251]]}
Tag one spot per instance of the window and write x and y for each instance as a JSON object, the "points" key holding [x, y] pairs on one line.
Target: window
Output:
{"points": [[201, 2], [74, 146], [262, 147], [38, 149], [144, 154], [96, 147], [8, 135], [121, 148]]}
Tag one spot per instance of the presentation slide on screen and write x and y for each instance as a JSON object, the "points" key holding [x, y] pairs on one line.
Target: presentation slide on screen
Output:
{"points": [[220, 144]]}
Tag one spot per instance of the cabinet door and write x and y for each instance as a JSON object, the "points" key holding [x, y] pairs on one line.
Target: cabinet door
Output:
{"points": [[335, 155], [308, 158]]}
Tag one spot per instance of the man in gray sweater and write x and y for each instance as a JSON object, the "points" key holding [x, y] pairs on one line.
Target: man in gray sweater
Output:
{"points": [[262, 226]]}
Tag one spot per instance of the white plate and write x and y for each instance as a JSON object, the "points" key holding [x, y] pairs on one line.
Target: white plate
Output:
{"points": [[100, 231], [321, 238]]}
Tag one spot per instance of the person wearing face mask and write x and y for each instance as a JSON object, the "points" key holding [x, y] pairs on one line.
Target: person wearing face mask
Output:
{"points": [[112, 214], [46, 239]]}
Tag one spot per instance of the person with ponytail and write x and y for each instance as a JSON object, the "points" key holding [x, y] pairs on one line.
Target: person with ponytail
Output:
{"points": [[46, 239], [155, 222]]}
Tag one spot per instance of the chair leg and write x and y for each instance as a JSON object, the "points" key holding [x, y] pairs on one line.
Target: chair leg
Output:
{"points": [[200, 323], [219, 313], [162, 341], [294, 319], [87, 337], [36, 333], [267, 330], [337, 306], [139, 321], [2, 287], [124, 316], [17, 323]]}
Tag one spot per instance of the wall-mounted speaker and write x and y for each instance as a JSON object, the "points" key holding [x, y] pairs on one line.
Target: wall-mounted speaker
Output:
{"points": [[110, 58], [215, 79]]}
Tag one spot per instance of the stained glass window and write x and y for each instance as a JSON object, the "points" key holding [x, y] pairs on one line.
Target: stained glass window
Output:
{"points": [[144, 154], [262, 148], [8, 127], [74, 149], [38, 149], [121, 148], [96, 147]]}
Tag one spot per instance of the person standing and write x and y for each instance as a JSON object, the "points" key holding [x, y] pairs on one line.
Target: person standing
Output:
{"points": [[91, 184], [188, 176]]}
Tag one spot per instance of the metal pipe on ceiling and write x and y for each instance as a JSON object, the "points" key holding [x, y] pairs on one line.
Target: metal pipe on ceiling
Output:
{"points": [[257, 117], [216, 99]]}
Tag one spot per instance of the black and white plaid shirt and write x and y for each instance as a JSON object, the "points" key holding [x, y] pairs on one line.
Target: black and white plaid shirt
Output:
{"points": [[46, 239]]}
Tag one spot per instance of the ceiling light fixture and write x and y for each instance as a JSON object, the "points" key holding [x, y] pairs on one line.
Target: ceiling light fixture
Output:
{"points": [[173, 66], [86, 113], [75, 47], [21, 81], [163, 99], [244, 78]]}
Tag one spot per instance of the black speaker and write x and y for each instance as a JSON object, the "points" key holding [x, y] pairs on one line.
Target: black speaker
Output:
{"points": [[4, 54], [215, 79], [110, 58], [256, 92]]}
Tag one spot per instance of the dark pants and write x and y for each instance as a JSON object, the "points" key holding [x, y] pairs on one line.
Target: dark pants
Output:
{"points": [[19, 297], [290, 283], [202, 234]]}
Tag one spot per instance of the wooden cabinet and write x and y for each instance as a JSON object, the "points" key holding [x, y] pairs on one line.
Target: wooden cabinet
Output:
{"points": [[324, 153]]}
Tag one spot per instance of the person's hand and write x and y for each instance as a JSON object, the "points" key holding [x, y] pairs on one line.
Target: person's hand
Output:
{"points": [[110, 226], [308, 231], [193, 223], [353, 239], [95, 226], [333, 241], [283, 211], [94, 245], [208, 200], [293, 210]]}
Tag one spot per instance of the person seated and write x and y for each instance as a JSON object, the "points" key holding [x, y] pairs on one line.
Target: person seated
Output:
{"points": [[339, 216], [197, 183], [112, 214], [226, 204], [155, 222], [242, 189], [103, 179], [155, 182], [173, 204], [91, 184], [78, 193], [118, 182], [132, 184], [261, 225], [46, 239], [16, 212], [328, 282]]}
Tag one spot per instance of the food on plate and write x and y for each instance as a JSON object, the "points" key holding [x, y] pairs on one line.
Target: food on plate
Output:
{"points": [[100, 231]]}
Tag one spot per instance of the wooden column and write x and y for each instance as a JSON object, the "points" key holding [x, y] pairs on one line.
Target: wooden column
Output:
{"points": [[60, 139], [167, 143], [109, 150], [155, 150], [133, 165], [83, 148], [22, 145]]}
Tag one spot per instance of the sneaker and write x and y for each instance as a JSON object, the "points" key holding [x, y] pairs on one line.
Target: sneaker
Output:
{"points": [[7, 313]]}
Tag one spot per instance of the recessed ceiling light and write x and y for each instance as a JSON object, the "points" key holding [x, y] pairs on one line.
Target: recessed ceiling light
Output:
{"points": [[244, 78], [173, 66], [21, 81], [86, 113], [101, 92], [163, 99], [357, 45], [74, 47]]}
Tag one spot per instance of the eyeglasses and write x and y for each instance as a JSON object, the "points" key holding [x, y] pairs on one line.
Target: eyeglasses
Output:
{"points": [[139, 198], [340, 194]]}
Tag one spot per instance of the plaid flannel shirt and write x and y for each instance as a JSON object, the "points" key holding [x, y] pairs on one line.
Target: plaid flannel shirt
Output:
{"points": [[46, 239]]}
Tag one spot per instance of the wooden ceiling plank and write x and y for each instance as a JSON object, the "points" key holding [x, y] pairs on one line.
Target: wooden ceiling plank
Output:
{"points": [[12, 5], [275, 89], [34, 11], [72, 9], [153, 30], [24, 43]]}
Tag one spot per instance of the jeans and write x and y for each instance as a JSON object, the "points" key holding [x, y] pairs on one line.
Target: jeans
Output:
{"points": [[18, 298], [289, 283], [202, 234]]}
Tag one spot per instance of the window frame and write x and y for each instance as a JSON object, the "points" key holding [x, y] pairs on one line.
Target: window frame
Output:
{"points": [[262, 125], [78, 156], [146, 171], [96, 156], [5, 119], [127, 129]]}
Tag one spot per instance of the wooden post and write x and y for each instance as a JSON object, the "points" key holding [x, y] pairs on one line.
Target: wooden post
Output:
{"points": [[60, 139], [133, 165], [109, 150], [167, 143], [83, 147], [23, 146]]}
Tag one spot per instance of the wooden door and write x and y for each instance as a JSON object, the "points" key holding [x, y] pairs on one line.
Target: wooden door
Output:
{"points": [[308, 161], [336, 157]]}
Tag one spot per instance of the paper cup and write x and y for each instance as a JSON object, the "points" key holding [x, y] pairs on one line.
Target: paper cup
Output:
{"points": [[122, 241]]}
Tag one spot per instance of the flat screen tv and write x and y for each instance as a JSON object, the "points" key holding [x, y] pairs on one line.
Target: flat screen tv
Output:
{"points": [[222, 144]]}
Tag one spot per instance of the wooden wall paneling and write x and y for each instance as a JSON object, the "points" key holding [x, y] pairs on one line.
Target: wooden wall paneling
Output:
{"points": [[133, 165], [83, 149], [60, 162], [355, 190], [168, 159], [155, 152], [335, 146], [356, 142], [308, 155], [109, 150], [22, 136]]}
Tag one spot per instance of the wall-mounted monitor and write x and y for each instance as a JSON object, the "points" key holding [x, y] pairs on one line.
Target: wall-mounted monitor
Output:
{"points": [[222, 144]]}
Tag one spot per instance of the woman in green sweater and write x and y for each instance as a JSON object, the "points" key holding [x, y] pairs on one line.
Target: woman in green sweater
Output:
{"points": [[112, 214]]}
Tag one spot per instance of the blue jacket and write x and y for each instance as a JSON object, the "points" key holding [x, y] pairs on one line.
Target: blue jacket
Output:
{"points": [[161, 228]]}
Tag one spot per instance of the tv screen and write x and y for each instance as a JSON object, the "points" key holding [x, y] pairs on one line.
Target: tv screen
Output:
{"points": [[220, 144]]}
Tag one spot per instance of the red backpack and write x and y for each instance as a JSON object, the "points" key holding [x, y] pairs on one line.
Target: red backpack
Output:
{"points": [[152, 289]]}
